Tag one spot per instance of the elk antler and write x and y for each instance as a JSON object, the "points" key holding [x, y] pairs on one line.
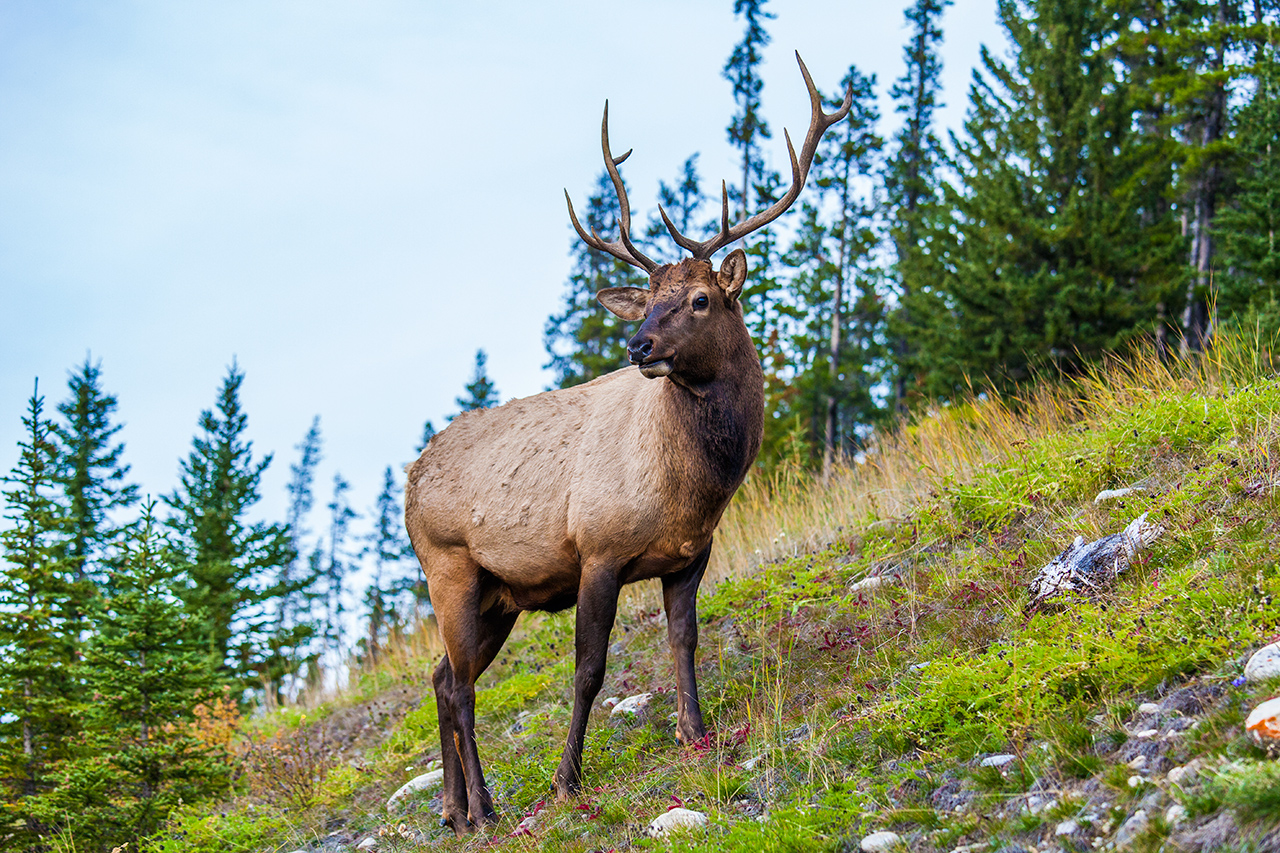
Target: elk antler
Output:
{"points": [[818, 125], [623, 250]]}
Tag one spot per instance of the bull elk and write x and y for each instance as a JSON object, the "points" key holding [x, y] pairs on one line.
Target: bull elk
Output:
{"points": [[564, 497]]}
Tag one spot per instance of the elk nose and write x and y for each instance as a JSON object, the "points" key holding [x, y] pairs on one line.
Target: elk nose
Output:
{"points": [[638, 352]]}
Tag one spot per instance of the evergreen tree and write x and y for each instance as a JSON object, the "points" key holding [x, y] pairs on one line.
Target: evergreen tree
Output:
{"points": [[338, 564], [387, 548], [748, 127], [428, 433], [910, 175], [837, 347], [480, 391], [1044, 258], [1247, 228], [585, 341], [683, 204], [294, 627], [146, 670], [224, 554], [93, 480], [37, 633]]}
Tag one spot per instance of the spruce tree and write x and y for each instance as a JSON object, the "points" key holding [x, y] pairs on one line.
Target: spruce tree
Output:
{"points": [[837, 343], [93, 478], [38, 634], [339, 562], [1250, 287], [910, 176], [428, 433], [294, 626], [1044, 258], [387, 549], [224, 554], [748, 128], [480, 391], [145, 670], [585, 341], [683, 203]]}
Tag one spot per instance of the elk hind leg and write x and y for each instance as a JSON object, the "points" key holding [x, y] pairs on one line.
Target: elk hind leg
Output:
{"points": [[454, 793], [471, 640]]}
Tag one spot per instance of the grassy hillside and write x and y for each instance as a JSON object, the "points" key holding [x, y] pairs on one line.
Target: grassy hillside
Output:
{"points": [[840, 709]]}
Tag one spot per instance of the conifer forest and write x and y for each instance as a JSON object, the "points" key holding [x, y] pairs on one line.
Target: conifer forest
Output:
{"points": [[1115, 188]]}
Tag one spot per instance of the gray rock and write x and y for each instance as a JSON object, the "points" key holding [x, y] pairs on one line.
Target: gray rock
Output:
{"points": [[1264, 664], [796, 735], [1090, 568], [997, 760], [426, 782], [632, 704], [676, 819], [877, 842], [1132, 828]]}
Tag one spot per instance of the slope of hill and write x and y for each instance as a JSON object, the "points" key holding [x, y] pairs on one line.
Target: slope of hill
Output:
{"points": [[869, 662]]}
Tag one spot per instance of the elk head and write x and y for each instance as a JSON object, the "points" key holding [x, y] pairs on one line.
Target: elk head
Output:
{"points": [[687, 305]]}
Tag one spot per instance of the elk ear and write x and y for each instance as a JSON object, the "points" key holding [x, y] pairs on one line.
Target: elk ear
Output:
{"points": [[733, 273], [627, 302]]}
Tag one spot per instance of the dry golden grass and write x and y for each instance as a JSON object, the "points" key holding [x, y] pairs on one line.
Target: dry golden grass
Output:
{"points": [[792, 511]]}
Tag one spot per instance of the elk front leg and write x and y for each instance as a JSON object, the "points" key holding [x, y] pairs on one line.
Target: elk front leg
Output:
{"points": [[597, 606], [680, 597]]}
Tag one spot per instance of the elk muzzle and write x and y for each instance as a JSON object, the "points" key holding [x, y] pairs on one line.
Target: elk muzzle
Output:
{"points": [[640, 352]]}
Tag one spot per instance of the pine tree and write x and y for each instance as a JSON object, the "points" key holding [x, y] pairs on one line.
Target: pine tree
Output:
{"points": [[748, 127], [146, 670], [910, 175], [224, 554], [294, 627], [38, 636], [1044, 258], [1247, 227], [480, 391], [585, 341], [387, 548], [683, 203], [428, 433], [337, 565], [93, 479], [837, 348]]}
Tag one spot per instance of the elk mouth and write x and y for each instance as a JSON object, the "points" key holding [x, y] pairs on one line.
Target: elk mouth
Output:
{"points": [[656, 368]]}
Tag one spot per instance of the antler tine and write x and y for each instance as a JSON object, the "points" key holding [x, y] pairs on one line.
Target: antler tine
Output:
{"points": [[819, 122], [622, 249]]}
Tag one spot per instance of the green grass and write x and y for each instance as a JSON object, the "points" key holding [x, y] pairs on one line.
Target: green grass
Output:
{"points": [[861, 704]]}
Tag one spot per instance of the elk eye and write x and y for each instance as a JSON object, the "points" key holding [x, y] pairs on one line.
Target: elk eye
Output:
{"points": [[701, 301]]}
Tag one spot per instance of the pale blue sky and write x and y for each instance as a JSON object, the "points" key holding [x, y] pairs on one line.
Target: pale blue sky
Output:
{"points": [[350, 198]]}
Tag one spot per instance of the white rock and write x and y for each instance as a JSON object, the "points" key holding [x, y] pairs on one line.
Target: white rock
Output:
{"points": [[1148, 708], [611, 701], [1136, 781], [1111, 494], [1138, 762], [632, 704], [1067, 827], [1175, 815], [1146, 734], [526, 826], [676, 819], [426, 782], [1036, 804], [866, 584], [997, 760], [1132, 828], [916, 667], [752, 763], [1263, 722], [1184, 773], [1264, 664], [878, 841], [368, 844]]}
